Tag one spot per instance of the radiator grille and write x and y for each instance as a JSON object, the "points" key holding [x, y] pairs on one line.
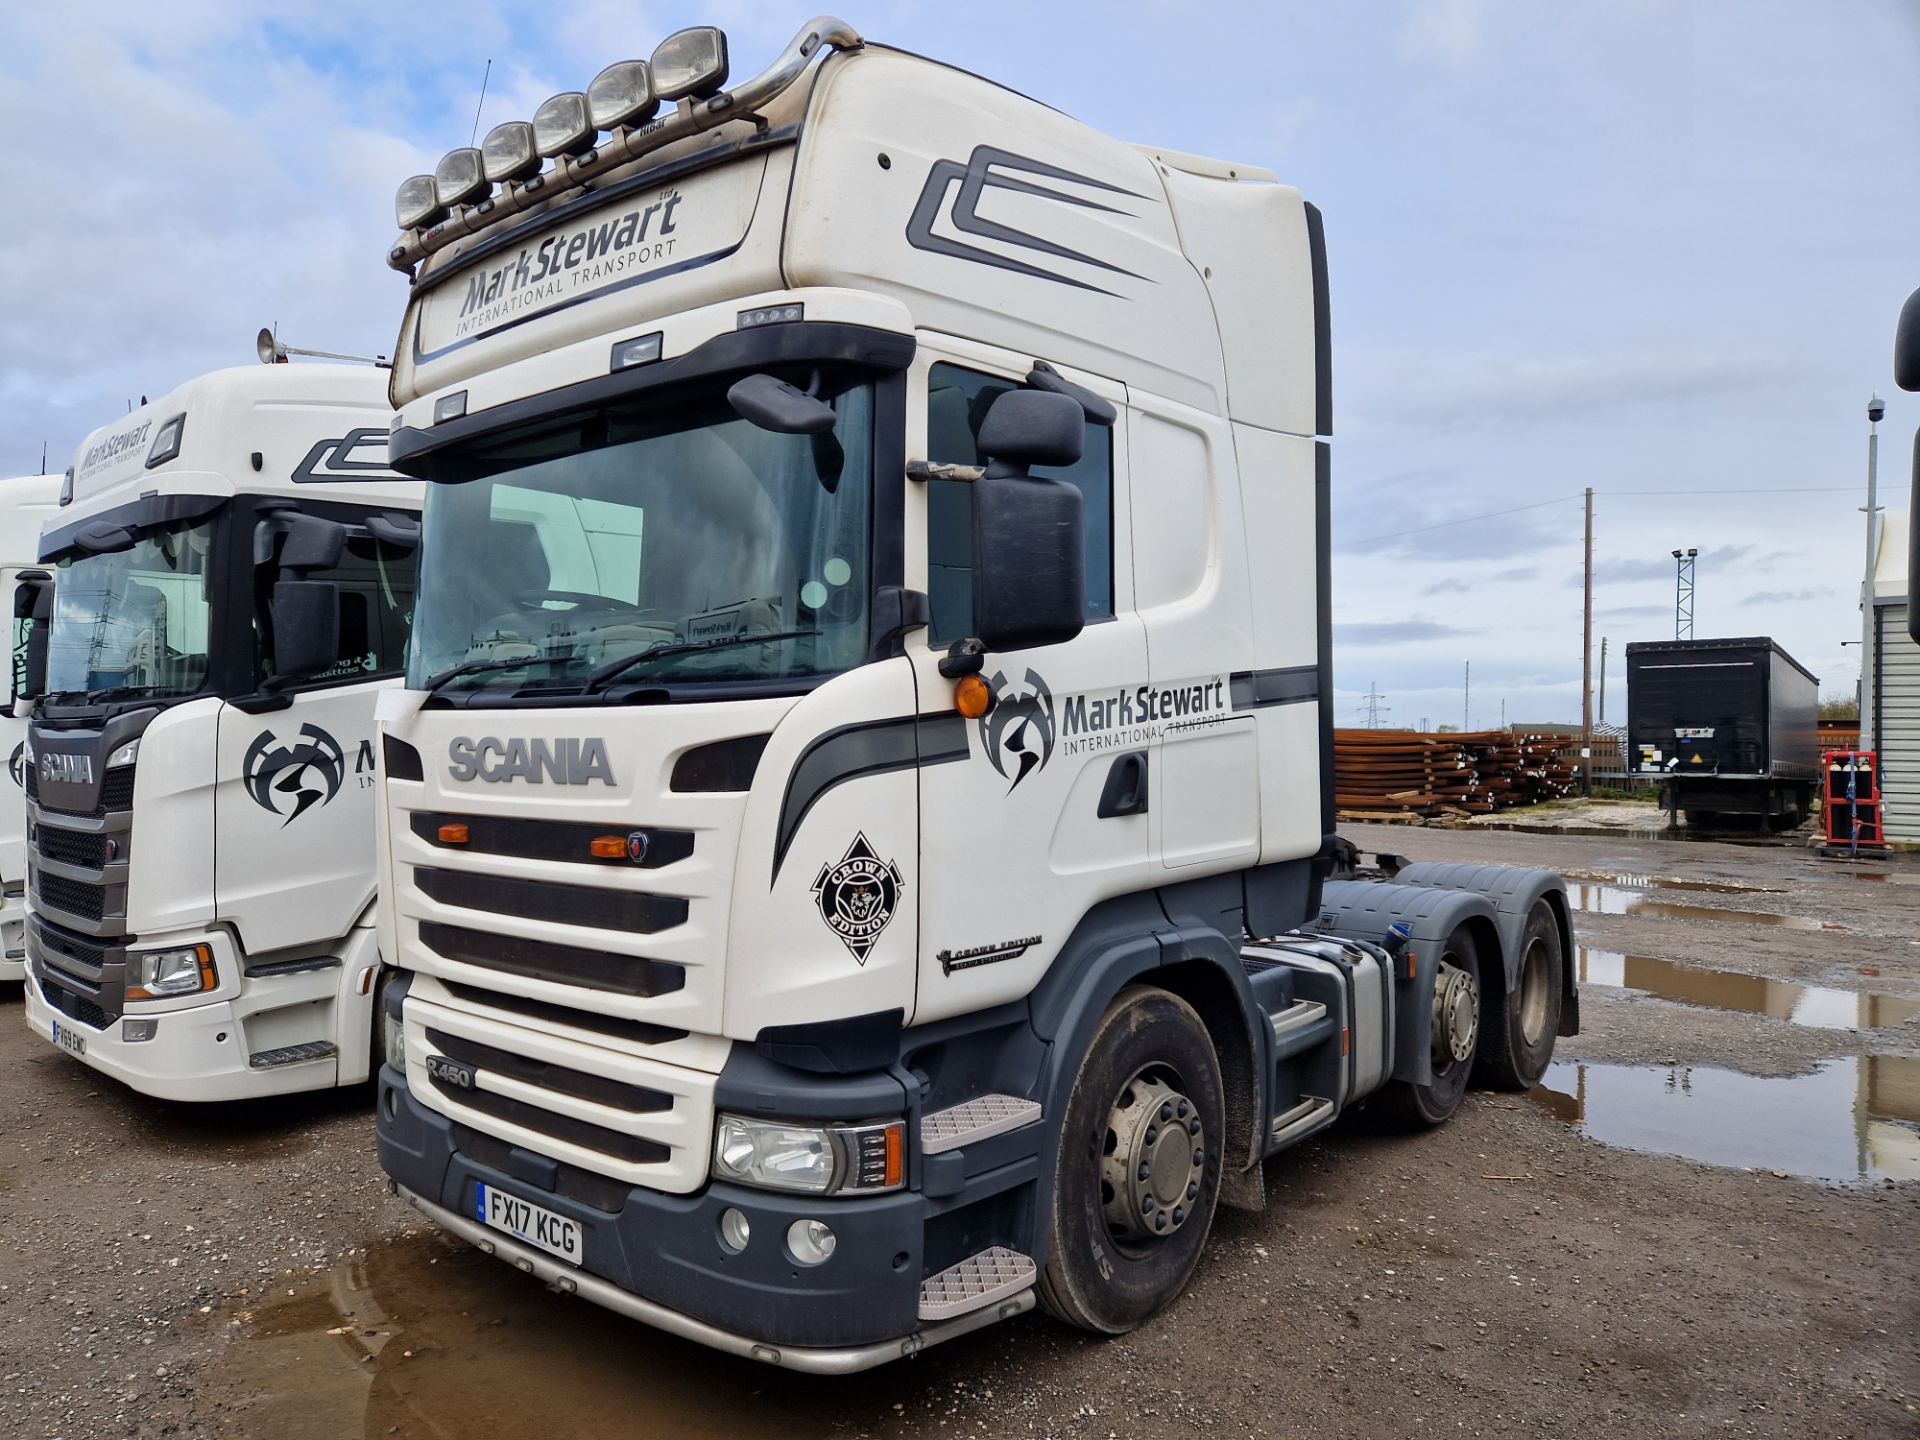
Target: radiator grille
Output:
{"points": [[618, 1027], [618, 1094], [116, 793], [590, 905], [77, 954], [633, 1149], [74, 897], [71, 847], [74, 1006], [561, 964]]}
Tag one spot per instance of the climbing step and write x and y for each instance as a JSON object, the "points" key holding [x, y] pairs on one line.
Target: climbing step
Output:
{"points": [[974, 1283], [976, 1119], [1310, 1112], [292, 1055]]}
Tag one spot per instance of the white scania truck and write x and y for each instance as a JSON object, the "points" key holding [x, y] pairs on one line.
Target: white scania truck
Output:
{"points": [[858, 825], [232, 584], [25, 503]]}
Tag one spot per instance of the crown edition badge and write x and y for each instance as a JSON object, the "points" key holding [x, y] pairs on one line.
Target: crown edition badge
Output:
{"points": [[857, 896]]}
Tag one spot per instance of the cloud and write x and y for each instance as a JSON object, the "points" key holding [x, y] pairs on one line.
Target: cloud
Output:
{"points": [[1448, 587], [1787, 597], [1631, 612], [1392, 632], [1450, 31]]}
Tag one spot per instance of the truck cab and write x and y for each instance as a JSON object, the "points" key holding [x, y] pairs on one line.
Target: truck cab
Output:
{"points": [[232, 585], [25, 503], [858, 826]]}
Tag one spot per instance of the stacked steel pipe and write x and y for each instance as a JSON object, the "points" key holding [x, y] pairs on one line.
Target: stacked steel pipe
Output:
{"points": [[1401, 774]]}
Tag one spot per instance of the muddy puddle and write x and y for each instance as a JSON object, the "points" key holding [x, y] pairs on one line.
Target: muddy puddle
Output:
{"points": [[1819, 1007], [427, 1338], [1633, 880], [1849, 1122], [1609, 899]]}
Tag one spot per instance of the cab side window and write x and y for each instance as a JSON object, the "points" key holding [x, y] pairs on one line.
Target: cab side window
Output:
{"points": [[957, 401], [376, 583]]}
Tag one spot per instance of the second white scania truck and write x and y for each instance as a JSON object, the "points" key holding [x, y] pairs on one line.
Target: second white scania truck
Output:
{"points": [[858, 828], [232, 583], [26, 501]]}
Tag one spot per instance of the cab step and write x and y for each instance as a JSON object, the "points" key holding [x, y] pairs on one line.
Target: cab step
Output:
{"points": [[292, 1055], [1311, 1113], [976, 1282], [975, 1119], [1300, 1026]]}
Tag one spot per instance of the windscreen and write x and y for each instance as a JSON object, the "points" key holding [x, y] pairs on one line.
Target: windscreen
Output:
{"points": [[655, 542], [135, 619]]}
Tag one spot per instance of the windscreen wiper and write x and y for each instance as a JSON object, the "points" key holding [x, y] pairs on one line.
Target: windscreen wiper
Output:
{"points": [[615, 668], [480, 667]]}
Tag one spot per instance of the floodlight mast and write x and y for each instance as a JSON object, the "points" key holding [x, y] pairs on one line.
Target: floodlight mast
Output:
{"points": [[692, 116]]}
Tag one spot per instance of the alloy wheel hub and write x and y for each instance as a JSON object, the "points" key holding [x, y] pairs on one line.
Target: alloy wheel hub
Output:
{"points": [[1152, 1173], [1456, 1015]]}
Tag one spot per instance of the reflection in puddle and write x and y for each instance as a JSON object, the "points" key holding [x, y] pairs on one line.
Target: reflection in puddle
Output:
{"points": [[428, 1338], [1630, 880], [1850, 1120], [1621, 900], [1819, 1007]]}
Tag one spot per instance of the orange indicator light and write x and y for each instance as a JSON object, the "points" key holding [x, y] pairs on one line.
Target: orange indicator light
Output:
{"points": [[608, 847], [453, 834], [971, 697]]}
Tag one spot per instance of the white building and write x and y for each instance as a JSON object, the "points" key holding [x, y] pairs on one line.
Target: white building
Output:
{"points": [[1895, 678]]}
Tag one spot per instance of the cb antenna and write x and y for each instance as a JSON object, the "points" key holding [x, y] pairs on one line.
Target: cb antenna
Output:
{"points": [[485, 75]]}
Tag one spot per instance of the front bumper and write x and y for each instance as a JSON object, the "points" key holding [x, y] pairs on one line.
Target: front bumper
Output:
{"points": [[197, 1053], [658, 1257]]}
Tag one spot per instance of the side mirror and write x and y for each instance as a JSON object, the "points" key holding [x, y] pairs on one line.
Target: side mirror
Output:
{"points": [[1906, 345], [1029, 558], [312, 543], [306, 627], [773, 404], [33, 608]]}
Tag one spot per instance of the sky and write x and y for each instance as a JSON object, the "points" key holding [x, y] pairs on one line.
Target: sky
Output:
{"points": [[1655, 247]]}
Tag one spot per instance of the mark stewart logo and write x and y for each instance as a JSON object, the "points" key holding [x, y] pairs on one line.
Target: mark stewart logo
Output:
{"points": [[857, 896], [301, 775], [1017, 731]]}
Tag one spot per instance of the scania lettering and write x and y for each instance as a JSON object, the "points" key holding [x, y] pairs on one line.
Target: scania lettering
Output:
{"points": [[25, 503], [858, 829], [224, 587]]}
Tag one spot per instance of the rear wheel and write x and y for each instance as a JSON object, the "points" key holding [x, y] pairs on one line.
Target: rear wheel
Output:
{"points": [[1704, 820], [1138, 1170], [1456, 1033], [1519, 1040]]}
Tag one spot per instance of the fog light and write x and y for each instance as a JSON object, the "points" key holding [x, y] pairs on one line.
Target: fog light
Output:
{"points": [[770, 315], [134, 1031], [810, 1241], [734, 1231]]}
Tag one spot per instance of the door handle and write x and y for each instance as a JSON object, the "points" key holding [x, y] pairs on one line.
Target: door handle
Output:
{"points": [[1125, 792]]}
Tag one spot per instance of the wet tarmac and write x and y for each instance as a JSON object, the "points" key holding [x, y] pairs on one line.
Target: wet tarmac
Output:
{"points": [[426, 1337], [1633, 880], [1819, 1007], [1850, 1121]]}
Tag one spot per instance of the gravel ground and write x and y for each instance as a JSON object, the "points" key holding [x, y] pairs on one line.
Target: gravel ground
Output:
{"points": [[241, 1271]]}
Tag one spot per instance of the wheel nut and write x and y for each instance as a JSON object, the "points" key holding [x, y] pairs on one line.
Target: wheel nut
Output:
{"points": [[1160, 1221], [1179, 1215], [1193, 1126], [1184, 1107], [1146, 1170], [1193, 1191], [1146, 1202], [1166, 1112], [1153, 1133], [1199, 1157]]}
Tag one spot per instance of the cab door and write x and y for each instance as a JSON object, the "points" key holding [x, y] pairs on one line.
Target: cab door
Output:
{"points": [[1037, 811]]}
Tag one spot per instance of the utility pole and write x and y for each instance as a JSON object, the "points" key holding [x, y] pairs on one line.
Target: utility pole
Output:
{"points": [[1586, 663], [1466, 698], [1876, 407], [1375, 710]]}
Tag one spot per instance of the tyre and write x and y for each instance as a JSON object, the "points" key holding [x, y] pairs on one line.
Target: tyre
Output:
{"points": [[1704, 820], [1457, 1024], [1517, 1043], [1785, 824], [1138, 1169]]}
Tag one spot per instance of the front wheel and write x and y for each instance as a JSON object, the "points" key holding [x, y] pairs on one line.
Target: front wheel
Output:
{"points": [[1456, 1035], [1138, 1170]]}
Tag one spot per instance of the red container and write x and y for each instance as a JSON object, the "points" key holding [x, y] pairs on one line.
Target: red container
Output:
{"points": [[1850, 799]]}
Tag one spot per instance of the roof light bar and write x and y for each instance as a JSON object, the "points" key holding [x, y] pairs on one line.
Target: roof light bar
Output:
{"points": [[587, 163], [691, 62], [417, 203], [622, 94], [562, 126], [459, 178], [508, 153]]}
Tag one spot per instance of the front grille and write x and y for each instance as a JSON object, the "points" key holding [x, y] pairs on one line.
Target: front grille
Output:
{"points": [[618, 1027], [77, 954], [562, 964], [115, 794], [631, 1148], [74, 1007], [74, 897], [71, 847], [597, 1191], [562, 904], [563, 840], [616, 1094]]}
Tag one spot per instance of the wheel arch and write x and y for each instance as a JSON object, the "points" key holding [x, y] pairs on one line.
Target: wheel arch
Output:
{"points": [[1513, 891]]}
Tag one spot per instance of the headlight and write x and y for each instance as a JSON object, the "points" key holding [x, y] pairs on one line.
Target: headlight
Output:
{"points": [[126, 754], [459, 178], [393, 1038], [417, 203], [507, 153], [561, 126], [163, 974], [818, 1159]]}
